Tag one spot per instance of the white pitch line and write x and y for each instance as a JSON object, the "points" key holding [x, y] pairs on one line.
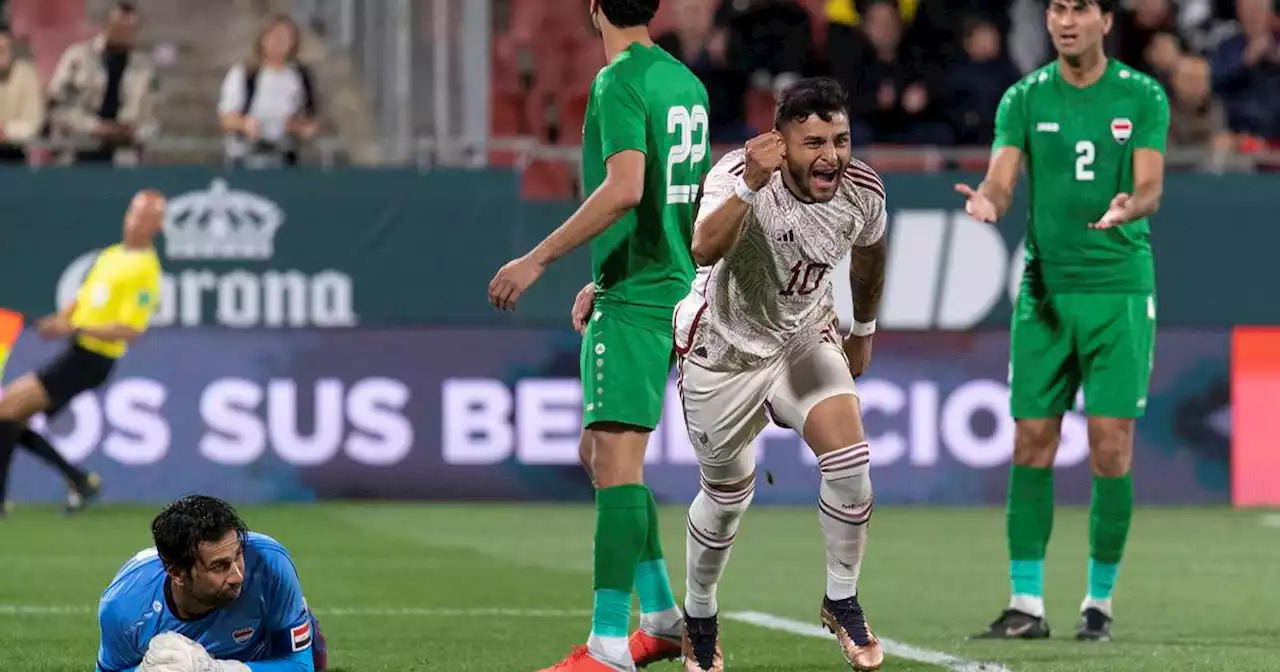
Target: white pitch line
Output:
{"points": [[1270, 520], [891, 647], [56, 610]]}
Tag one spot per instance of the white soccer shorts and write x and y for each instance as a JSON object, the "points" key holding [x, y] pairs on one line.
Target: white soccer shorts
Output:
{"points": [[726, 410]]}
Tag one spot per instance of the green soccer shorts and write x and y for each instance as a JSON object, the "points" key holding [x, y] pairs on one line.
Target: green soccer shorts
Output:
{"points": [[1104, 341], [624, 370]]}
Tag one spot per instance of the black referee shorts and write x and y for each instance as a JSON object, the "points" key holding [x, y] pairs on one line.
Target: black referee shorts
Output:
{"points": [[73, 371]]}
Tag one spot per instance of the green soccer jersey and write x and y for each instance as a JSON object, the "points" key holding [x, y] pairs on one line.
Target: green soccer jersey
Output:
{"points": [[646, 100], [1078, 144]]}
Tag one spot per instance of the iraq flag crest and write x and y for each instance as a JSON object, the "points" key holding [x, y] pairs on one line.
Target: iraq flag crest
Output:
{"points": [[1121, 129]]}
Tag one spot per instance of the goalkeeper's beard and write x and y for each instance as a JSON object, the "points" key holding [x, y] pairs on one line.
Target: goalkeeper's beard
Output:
{"points": [[217, 599]]}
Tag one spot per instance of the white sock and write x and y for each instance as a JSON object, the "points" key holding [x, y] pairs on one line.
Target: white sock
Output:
{"points": [[713, 523], [844, 507], [1101, 605], [1028, 604], [668, 624], [613, 651]]}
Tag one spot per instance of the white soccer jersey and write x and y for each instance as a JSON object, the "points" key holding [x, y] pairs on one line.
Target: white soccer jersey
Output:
{"points": [[775, 284]]}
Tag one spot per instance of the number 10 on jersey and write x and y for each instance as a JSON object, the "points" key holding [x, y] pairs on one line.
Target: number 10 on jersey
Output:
{"points": [[684, 123]]}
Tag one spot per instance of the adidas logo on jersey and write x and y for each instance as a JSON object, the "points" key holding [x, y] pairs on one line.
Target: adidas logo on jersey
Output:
{"points": [[788, 236]]}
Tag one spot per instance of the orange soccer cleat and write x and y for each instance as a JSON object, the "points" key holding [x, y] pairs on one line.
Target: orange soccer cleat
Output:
{"points": [[845, 620], [647, 649], [579, 660]]}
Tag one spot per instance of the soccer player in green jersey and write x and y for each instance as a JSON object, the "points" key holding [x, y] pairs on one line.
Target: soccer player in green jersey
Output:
{"points": [[645, 151], [1092, 132]]}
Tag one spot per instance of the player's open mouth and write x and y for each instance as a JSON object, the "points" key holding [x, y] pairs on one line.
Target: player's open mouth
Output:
{"points": [[1067, 40], [823, 178]]}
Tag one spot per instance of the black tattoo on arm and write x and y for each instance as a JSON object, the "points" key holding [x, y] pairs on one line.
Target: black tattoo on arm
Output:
{"points": [[866, 275]]}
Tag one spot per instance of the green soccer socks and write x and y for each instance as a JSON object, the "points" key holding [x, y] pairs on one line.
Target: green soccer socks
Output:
{"points": [[658, 612], [1029, 522], [1110, 512], [622, 529]]}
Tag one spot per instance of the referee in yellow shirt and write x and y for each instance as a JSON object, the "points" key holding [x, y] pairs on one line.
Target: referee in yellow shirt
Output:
{"points": [[113, 306]]}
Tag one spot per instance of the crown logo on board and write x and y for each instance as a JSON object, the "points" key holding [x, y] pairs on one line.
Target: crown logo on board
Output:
{"points": [[221, 223]]}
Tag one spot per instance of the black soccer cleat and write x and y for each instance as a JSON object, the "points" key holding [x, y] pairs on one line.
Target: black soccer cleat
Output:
{"points": [[701, 645], [81, 494], [1014, 624], [1094, 626]]}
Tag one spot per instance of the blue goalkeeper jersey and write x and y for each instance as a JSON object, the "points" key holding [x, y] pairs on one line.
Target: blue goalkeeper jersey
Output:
{"points": [[268, 626]]}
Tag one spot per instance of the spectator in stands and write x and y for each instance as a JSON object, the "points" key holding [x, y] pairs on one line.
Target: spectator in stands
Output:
{"points": [[268, 106], [102, 95], [769, 40], [1145, 22], [1246, 75], [891, 96], [976, 82], [1196, 119], [1164, 52], [701, 46], [934, 36], [21, 102]]}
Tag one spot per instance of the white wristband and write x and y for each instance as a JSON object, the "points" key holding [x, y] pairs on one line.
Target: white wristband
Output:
{"points": [[862, 328], [743, 191]]}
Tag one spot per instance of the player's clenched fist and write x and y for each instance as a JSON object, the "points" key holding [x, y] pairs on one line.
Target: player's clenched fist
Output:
{"points": [[765, 154]]}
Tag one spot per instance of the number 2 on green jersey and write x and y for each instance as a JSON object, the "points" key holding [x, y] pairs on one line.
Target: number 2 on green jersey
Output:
{"points": [[1084, 159], [684, 123]]}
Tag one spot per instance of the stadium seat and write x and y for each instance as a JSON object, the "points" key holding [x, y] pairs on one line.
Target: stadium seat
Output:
{"points": [[48, 27], [547, 180], [507, 113], [573, 116]]}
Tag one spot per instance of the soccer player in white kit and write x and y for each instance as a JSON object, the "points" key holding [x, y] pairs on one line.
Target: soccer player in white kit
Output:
{"points": [[757, 338]]}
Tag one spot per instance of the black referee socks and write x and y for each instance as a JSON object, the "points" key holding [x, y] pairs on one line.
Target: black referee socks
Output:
{"points": [[10, 430], [41, 448]]}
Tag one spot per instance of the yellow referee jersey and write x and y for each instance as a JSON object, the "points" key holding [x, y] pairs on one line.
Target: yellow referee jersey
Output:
{"points": [[123, 287]]}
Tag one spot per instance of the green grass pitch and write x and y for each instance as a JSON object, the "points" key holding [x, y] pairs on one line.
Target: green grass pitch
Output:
{"points": [[487, 588]]}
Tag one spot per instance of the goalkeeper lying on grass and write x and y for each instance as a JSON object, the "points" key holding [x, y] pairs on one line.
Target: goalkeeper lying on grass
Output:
{"points": [[210, 596]]}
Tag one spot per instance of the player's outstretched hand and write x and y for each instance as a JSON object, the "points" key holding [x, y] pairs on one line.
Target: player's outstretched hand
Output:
{"points": [[512, 280], [858, 350], [1117, 213], [582, 306], [978, 206], [765, 155]]}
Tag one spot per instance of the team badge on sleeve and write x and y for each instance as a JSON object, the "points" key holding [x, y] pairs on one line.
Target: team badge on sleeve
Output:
{"points": [[1121, 129], [300, 636]]}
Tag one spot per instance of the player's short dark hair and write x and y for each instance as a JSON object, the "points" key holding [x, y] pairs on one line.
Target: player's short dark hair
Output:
{"points": [[628, 13], [183, 525], [822, 96], [1105, 6]]}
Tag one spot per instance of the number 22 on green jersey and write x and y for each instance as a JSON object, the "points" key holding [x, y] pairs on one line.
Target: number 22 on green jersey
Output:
{"points": [[688, 128]]}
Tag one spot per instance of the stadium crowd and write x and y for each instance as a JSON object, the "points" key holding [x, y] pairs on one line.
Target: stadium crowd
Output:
{"points": [[920, 72], [77, 91]]}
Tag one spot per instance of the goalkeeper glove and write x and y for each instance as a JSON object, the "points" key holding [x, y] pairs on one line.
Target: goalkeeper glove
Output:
{"points": [[172, 652]]}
